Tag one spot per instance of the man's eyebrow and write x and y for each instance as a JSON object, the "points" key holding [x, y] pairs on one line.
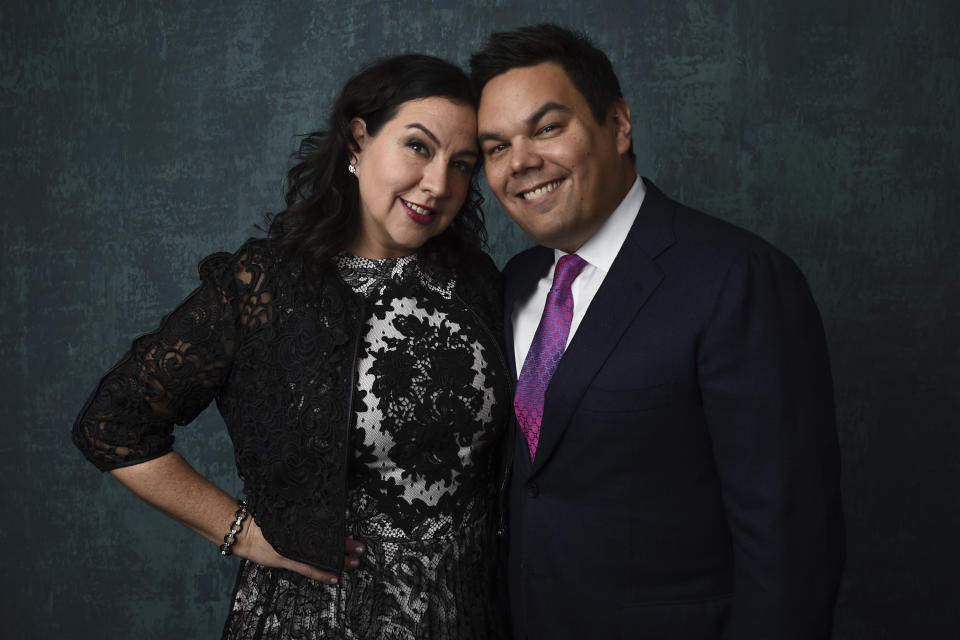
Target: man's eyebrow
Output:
{"points": [[545, 109], [417, 125], [532, 119]]}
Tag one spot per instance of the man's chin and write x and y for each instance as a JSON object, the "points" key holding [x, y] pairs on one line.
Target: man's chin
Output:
{"points": [[551, 238]]}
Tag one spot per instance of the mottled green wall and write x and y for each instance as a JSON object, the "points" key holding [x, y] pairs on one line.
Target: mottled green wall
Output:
{"points": [[139, 136]]}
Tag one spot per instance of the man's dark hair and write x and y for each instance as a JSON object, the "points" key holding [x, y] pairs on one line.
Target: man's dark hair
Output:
{"points": [[588, 68]]}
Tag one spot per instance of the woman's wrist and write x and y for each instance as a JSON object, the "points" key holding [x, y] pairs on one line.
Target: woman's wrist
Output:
{"points": [[236, 526]]}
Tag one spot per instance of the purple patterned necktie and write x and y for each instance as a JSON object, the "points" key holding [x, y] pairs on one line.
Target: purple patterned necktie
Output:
{"points": [[548, 345]]}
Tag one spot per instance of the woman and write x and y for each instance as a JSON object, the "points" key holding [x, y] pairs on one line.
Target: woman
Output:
{"points": [[354, 358]]}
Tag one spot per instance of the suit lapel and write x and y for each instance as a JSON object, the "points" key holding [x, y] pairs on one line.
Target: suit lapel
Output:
{"points": [[633, 278]]}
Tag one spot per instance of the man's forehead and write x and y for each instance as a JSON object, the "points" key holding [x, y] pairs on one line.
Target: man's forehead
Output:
{"points": [[539, 79], [525, 93]]}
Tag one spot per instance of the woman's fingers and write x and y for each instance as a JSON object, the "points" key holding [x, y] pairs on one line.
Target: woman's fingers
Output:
{"points": [[253, 546], [353, 551], [354, 548], [311, 572]]}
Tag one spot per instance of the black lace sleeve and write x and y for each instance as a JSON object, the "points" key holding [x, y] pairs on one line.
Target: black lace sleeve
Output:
{"points": [[168, 376]]}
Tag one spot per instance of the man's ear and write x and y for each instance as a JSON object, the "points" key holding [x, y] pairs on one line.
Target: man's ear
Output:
{"points": [[620, 117]]}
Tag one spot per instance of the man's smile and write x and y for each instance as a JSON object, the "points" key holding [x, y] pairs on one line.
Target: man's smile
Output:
{"points": [[540, 190]]}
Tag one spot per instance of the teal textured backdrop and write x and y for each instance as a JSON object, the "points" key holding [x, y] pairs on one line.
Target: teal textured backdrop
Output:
{"points": [[139, 136]]}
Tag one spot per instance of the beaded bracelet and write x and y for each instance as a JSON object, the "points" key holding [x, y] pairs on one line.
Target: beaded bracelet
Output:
{"points": [[235, 528]]}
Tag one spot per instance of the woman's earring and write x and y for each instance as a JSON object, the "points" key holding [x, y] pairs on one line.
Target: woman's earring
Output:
{"points": [[352, 169]]}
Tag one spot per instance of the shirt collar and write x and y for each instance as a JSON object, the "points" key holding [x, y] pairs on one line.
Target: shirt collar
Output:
{"points": [[604, 245]]}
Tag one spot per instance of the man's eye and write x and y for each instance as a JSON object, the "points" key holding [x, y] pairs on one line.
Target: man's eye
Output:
{"points": [[547, 129], [496, 149]]}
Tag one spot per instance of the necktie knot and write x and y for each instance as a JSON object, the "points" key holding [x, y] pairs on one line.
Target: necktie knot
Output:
{"points": [[567, 269]]}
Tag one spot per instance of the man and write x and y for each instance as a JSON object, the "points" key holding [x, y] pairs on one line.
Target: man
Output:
{"points": [[675, 470]]}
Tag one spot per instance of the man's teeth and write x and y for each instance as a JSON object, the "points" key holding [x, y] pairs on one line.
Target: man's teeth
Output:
{"points": [[419, 209], [536, 193]]}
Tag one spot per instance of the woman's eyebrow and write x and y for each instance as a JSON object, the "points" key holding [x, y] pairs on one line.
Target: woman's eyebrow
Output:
{"points": [[417, 125]]}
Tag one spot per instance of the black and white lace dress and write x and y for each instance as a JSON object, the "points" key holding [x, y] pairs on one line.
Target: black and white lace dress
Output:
{"points": [[430, 401]]}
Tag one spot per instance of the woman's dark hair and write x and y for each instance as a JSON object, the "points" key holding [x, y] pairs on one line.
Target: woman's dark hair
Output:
{"points": [[322, 198], [588, 68]]}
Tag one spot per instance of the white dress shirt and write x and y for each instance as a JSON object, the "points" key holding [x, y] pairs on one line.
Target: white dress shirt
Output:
{"points": [[599, 252]]}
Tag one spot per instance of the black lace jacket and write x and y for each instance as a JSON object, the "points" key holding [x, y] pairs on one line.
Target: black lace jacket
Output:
{"points": [[279, 359]]}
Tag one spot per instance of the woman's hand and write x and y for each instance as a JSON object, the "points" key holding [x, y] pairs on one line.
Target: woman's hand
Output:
{"points": [[253, 546], [172, 486]]}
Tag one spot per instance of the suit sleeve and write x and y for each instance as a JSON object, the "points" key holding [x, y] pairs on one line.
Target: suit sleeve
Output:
{"points": [[768, 400]]}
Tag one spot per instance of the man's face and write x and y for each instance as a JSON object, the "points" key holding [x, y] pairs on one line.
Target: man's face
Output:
{"points": [[554, 168]]}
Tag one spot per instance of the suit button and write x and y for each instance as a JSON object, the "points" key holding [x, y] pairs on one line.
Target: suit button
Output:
{"points": [[533, 490]]}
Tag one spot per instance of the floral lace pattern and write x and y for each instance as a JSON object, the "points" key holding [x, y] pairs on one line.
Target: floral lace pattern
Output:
{"points": [[271, 604], [280, 358], [429, 404]]}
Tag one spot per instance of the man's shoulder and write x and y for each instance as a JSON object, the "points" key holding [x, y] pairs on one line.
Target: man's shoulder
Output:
{"points": [[709, 235], [707, 247], [694, 225]]}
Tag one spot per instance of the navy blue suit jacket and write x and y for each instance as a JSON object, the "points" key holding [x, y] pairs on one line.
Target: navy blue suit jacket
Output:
{"points": [[686, 482]]}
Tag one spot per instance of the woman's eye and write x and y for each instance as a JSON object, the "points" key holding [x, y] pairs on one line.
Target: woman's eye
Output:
{"points": [[417, 147], [464, 167]]}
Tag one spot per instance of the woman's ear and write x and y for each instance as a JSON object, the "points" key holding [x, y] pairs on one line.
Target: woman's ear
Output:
{"points": [[358, 130]]}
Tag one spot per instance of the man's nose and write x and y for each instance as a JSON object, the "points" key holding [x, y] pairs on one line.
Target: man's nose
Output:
{"points": [[523, 156]]}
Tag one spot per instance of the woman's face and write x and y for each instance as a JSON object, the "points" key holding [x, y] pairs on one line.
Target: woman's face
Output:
{"points": [[413, 175]]}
